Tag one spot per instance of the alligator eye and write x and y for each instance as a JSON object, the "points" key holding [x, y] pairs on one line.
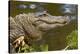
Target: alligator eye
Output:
{"points": [[44, 14]]}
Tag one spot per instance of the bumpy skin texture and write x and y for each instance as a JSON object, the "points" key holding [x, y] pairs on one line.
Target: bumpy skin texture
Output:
{"points": [[29, 26]]}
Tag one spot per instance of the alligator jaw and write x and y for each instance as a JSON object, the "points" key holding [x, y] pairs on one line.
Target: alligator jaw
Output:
{"points": [[53, 20], [50, 23], [47, 24], [45, 27]]}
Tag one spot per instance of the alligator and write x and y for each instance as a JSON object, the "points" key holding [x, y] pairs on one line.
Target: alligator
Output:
{"points": [[31, 26]]}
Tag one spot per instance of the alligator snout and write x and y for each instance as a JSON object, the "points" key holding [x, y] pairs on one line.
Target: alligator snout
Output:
{"points": [[55, 19]]}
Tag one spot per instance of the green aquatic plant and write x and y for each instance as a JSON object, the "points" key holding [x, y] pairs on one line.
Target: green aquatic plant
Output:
{"points": [[72, 40], [33, 48]]}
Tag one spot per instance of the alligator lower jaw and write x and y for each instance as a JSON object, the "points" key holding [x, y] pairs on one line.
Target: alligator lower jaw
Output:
{"points": [[45, 27]]}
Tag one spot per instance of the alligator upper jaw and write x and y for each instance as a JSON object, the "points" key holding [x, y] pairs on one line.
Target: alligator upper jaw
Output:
{"points": [[54, 20], [46, 25], [50, 23]]}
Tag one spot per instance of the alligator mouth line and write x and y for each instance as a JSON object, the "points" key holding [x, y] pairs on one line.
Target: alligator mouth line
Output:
{"points": [[56, 22]]}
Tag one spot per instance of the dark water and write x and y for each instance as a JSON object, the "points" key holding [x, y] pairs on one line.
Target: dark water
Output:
{"points": [[56, 39]]}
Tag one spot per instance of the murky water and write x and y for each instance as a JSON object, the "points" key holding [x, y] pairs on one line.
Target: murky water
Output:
{"points": [[56, 39]]}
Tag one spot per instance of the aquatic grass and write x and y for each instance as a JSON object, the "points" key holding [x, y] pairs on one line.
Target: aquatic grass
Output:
{"points": [[33, 48], [72, 40]]}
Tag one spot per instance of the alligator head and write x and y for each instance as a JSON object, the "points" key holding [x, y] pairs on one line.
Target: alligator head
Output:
{"points": [[46, 21]]}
